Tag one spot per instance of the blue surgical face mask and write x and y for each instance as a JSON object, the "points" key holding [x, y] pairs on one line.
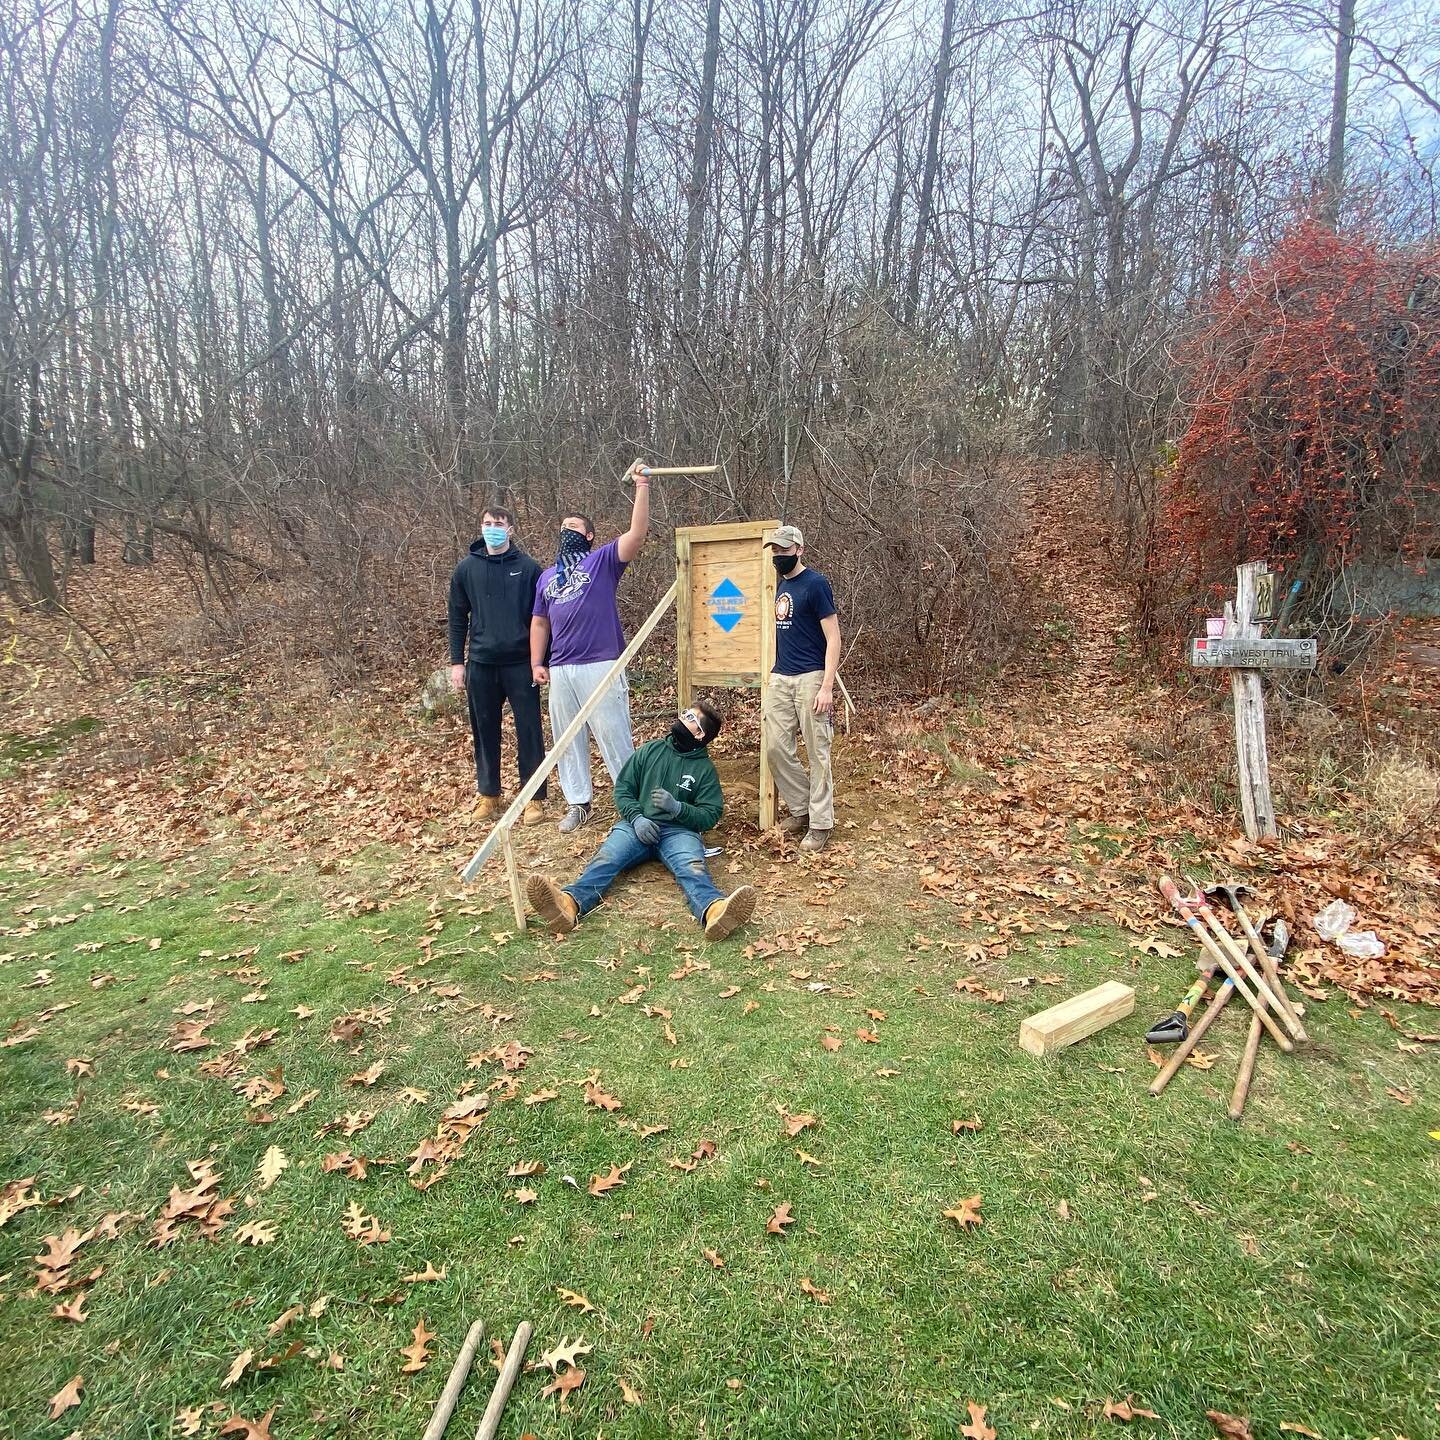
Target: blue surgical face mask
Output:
{"points": [[495, 536]]}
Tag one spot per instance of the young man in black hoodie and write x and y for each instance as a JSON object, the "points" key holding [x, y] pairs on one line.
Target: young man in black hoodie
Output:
{"points": [[668, 795], [492, 593]]}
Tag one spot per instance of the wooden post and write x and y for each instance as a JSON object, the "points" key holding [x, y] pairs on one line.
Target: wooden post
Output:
{"points": [[512, 874], [684, 686], [500, 834], [767, 663], [1254, 764]]}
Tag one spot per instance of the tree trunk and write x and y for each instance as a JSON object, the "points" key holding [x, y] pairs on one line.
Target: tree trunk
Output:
{"points": [[932, 164], [697, 191], [1339, 103]]}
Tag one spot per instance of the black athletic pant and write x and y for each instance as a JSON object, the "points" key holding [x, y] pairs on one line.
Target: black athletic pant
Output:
{"points": [[487, 688]]}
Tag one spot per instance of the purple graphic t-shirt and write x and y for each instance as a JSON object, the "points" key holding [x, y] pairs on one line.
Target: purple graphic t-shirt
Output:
{"points": [[584, 619]]}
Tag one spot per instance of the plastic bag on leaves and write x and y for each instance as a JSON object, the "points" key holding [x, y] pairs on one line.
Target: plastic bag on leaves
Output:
{"points": [[1334, 920], [1361, 944]]}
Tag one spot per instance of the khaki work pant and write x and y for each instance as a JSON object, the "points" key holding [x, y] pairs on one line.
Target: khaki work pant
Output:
{"points": [[790, 716]]}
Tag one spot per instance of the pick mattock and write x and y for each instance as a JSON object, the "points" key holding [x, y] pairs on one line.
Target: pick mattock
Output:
{"points": [[1229, 893], [1225, 958]]}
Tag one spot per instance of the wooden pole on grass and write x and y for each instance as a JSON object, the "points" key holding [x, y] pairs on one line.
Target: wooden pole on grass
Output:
{"points": [[490, 1421], [445, 1406], [500, 835]]}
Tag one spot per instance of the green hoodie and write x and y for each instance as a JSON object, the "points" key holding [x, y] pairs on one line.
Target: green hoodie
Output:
{"points": [[690, 778]]}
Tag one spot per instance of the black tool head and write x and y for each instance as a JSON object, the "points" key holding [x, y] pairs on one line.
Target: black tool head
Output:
{"points": [[1169, 1031], [1229, 894]]}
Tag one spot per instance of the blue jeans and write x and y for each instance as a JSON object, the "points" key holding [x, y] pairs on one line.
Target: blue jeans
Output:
{"points": [[681, 851]]}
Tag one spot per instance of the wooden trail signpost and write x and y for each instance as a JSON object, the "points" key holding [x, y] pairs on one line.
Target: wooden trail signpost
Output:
{"points": [[1245, 653]]}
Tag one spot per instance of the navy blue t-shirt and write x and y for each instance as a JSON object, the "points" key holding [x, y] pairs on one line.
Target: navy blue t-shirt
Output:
{"points": [[800, 605]]}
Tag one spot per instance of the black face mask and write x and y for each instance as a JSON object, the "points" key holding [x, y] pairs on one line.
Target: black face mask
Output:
{"points": [[573, 543], [682, 739], [784, 564]]}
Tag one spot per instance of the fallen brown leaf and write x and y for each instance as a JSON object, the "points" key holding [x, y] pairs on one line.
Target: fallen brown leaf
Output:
{"points": [[238, 1366], [968, 1213], [67, 1396], [809, 1287], [250, 1429], [1123, 1410], [1231, 1427], [417, 1353], [565, 1385], [780, 1219], [978, 1428]]}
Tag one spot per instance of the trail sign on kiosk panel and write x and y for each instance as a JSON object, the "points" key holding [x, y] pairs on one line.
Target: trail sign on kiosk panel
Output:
{"points": [[725, 619]]}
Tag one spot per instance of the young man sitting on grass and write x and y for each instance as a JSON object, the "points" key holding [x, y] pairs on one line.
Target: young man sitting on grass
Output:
{"points": [[668, 795]]}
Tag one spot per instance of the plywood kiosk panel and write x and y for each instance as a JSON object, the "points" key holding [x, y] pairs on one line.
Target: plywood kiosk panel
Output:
{"points": [[725, 618]]}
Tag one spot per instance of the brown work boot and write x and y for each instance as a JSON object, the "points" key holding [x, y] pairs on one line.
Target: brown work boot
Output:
{"points": [[815, 840], [794, 824], [534, 813], [486, 807], [724, 917], [557, 909]]}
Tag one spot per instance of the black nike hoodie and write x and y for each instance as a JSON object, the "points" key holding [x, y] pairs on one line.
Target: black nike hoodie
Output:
{"points": [[492, 596]]}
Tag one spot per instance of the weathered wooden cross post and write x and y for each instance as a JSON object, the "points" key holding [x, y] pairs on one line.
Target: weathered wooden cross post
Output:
{"points": [[1245, 653]]}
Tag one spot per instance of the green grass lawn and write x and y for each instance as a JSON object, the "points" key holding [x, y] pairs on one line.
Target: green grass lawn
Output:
{"points": [[1287, 1268]]}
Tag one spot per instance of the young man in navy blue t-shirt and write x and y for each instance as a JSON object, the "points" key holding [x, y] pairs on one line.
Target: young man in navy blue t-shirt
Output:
{"points": [[800, 694]]}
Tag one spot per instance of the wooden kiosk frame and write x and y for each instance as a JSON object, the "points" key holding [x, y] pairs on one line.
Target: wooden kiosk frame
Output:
{"points": [[725, 620]]}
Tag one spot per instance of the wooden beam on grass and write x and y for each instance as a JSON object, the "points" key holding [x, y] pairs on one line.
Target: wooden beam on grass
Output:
{"points": [[1074, 1019]]}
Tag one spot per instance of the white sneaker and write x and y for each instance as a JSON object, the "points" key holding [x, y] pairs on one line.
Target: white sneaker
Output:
{"points": [[575, 817]]}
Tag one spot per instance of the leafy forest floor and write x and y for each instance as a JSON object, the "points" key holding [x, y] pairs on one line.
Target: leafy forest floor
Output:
{"points": [[279, 1098]]}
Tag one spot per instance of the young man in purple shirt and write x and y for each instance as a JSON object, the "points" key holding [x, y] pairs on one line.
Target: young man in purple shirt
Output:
{"points": [[577, 620]]}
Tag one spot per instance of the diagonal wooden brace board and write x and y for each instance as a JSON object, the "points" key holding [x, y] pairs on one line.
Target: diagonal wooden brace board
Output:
{"points": [[500, 835]]}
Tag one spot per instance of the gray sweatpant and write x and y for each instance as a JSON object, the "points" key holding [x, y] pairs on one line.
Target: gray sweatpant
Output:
{"points": [[570, 687]]}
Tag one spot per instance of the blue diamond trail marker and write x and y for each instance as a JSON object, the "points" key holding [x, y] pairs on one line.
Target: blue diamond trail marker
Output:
{"points": [[727, 605]]}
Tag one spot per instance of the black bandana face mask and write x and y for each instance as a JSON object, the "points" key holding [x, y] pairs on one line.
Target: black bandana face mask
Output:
{"points": [[682, 739], [572, 546]]}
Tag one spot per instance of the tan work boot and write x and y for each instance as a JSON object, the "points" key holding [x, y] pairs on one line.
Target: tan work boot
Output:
{"points": [[557, 909], [486, 807], [815, 840], [534, 813], [724, 917], [793, 824]]}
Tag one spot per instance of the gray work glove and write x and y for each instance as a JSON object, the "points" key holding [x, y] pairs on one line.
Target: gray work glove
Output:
{"points": [[647, 832], [664, 802]]}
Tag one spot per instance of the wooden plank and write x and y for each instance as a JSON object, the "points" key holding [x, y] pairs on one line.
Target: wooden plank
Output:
{"points": [[723, 680], [1074, 1019], [684, 687], [552, 756], [736, 530]]}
